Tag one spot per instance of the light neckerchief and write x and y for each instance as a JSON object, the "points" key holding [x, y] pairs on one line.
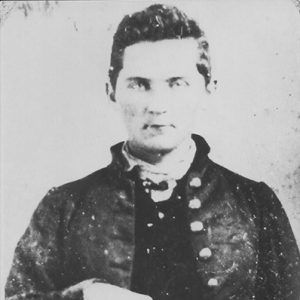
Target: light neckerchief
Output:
{"points": [[169, 171]]}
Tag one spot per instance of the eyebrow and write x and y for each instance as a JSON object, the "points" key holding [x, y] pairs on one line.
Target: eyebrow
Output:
{"points": [[143, 79], [137, 78], [172, 79]]}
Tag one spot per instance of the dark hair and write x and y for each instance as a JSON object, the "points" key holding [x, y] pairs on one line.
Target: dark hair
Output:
{"points": [[155, 23]]}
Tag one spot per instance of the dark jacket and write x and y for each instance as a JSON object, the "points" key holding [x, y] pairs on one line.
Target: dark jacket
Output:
{"points": [[85, 229]]}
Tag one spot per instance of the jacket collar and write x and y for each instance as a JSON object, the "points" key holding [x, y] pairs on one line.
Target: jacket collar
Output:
{"points": [[120, 164]]}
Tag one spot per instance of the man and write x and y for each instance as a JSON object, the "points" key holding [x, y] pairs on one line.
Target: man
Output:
{"points": [[162, 221]]}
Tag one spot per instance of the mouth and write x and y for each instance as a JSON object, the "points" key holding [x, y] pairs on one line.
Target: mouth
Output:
{"points": [[158, 126]]}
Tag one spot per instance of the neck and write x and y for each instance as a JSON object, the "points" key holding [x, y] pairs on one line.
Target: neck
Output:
{"points": [[159, 157]]}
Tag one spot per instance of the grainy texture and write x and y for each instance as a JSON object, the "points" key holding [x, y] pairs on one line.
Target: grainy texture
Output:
{"points": [[57, 124], [85, 229]]}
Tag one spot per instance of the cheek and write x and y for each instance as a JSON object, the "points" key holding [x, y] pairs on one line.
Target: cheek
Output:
{"points": [[131, 115], [186, 108], [128, 111], [128, 104], [188, 104], [187, 117]]}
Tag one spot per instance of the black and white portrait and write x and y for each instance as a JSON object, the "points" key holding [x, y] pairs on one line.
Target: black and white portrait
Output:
{"points": [[150, 150]]}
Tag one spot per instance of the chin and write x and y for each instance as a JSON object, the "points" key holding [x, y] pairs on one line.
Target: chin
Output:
{"points": [[162, 144]]}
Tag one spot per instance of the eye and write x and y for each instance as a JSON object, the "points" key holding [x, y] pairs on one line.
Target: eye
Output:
{"points": [[139, 84], [178, 82]]}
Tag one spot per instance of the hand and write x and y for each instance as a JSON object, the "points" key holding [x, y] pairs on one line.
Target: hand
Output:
{"points": [[104, 291]]}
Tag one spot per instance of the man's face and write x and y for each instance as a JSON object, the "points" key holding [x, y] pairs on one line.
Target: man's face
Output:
{"points": [[158, 91]]}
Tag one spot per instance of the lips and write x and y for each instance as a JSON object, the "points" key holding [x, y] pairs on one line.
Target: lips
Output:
{"points": [[157, 126]]}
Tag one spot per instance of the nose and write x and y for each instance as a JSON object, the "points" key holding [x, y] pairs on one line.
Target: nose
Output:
{"points": [[158, 103], [156, 109]]}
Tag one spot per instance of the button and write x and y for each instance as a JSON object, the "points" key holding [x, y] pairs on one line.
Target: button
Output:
{"points": [[149, 224], [196, 226], [195, 182], [205, 253], [213, 282], [146, 183], [194, 203], [161, 215], [122, 195]]}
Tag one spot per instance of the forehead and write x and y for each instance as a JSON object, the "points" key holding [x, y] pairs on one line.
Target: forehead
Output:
{"points": [[166, 58]]}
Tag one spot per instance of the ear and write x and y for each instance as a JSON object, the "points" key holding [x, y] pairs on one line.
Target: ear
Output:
{"points": [[215, 84], [212, 86], [110, 91]]}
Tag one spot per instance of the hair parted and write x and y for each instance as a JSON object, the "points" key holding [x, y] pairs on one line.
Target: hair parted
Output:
{"points": [[155, 23]]}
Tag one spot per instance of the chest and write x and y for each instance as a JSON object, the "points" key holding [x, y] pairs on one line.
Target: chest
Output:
{"points": [[218, 225]]}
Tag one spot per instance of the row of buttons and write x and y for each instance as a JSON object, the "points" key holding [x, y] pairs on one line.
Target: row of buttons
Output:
{"points": [[197, 226]]}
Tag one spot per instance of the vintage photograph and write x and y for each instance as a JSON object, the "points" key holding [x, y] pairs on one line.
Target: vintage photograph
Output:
{"points": [[150, 150]]}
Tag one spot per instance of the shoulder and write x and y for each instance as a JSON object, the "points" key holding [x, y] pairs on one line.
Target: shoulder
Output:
{"points": [[233, 178], [257, 192], [64, 199], [83, 185]]}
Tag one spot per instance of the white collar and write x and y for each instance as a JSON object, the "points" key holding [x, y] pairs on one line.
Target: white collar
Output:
{"points": [[172, 169]]}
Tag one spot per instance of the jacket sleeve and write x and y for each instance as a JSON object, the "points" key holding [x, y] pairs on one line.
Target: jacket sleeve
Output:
{"points": [[279, 259], [37, 269]]}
